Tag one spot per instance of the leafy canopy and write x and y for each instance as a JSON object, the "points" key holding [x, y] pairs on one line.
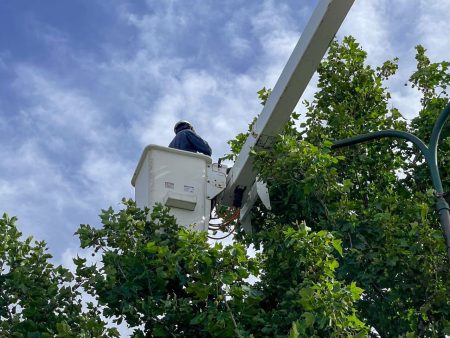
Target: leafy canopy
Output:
{"points": [[173, 282], [38, 299], [351, 247], [375, 197]]}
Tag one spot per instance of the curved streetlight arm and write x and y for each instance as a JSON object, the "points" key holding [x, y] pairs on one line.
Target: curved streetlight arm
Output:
{"points": [[434, 141], [381, 134], [428, 153]]}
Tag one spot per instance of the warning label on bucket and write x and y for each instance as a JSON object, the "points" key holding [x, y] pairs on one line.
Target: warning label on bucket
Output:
{"points": [[188, 188]]}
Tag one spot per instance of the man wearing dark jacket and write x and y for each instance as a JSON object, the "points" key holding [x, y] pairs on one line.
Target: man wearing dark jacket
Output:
{"points": [[186, 139]]}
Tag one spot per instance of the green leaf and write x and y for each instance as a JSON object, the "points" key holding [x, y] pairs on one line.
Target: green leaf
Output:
{"points": [[159, 331], [327, 143], [356, 291], [228, 278], [360, 334], [293, 333], [337, 244], [198, 319], [201, 291], [309, 319], [151, 247], [306, 297]]}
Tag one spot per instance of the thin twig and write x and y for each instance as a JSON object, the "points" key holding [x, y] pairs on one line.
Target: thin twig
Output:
{"points": [[231, 314]]}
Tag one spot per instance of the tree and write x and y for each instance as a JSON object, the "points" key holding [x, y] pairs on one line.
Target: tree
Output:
{"points": [[38, 299], [349, 243], [164, 280], [351, 247], [432, 80], [391, 239]]}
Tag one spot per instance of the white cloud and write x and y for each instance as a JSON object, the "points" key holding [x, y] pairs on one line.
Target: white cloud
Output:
{"points": [[240, 46], [107, 177], [37, 191], [55, 110], [64, 165], [277, 34], [369, 22], [433, 27]]}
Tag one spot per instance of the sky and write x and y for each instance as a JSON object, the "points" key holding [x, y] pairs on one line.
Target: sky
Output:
{"points": [[85, 85]]}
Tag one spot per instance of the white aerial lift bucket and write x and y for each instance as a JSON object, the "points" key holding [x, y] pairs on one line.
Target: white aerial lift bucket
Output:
{"points": [[181, 180]]}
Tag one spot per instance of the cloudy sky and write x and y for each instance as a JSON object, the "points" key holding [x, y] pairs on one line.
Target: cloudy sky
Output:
{"points": [[86, 84]]}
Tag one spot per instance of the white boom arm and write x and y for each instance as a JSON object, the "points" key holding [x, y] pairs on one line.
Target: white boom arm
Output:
{"points": [[309, 51]]}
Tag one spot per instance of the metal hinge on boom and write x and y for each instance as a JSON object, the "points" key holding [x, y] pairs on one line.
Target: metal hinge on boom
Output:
{"points": [[259, 189]]}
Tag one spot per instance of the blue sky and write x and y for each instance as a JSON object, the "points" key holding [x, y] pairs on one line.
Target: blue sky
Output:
{"points": [[86, 84]]}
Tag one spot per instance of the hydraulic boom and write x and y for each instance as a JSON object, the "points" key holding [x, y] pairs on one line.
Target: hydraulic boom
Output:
{"points": [[309, 51]]}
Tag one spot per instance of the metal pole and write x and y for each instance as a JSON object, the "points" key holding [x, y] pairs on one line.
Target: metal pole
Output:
{"points": [[441, 204], [434, 141], [430, 154], [444, 217]]}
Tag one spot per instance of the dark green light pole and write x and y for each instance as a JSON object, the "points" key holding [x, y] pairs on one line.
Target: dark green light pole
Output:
{"points": [[430, 154]]}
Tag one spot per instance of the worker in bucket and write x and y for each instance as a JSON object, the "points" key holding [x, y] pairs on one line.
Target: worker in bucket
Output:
{"points": [[186, 139]]}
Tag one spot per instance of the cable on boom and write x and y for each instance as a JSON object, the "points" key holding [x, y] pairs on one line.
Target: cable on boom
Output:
{"points": [[223, 226]]}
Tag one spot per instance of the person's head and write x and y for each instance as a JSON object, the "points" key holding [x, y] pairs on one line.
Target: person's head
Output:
{"points": [[182, 125]]}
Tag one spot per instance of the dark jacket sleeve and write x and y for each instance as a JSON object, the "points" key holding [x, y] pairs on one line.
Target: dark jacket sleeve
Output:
{"points": [[200, 144]]}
